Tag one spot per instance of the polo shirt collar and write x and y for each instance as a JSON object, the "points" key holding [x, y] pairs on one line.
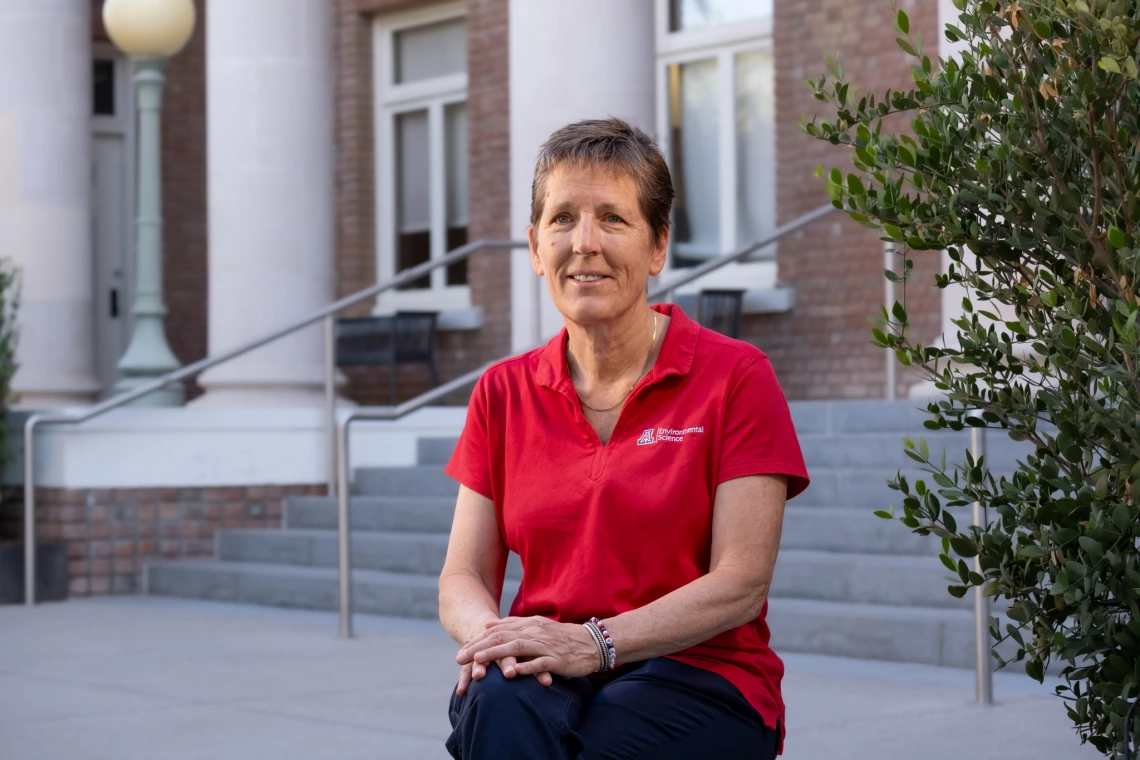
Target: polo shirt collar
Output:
{"points": [[676, 356]]}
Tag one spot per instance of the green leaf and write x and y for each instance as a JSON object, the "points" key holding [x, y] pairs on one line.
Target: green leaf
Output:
{"points": [[957, 591], [902, 23], [1109, 64], [1116, 237], [1091, 546], [964, 547], [855, 185]]}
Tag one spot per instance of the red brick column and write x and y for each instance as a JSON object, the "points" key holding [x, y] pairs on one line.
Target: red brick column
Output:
{"points": [[822, 348]]}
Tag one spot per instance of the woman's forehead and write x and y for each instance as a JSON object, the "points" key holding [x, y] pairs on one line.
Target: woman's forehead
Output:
{"points": [[591, 183]]}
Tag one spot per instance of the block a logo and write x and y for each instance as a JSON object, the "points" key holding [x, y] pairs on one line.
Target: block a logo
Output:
{"points": [[646, 438]]}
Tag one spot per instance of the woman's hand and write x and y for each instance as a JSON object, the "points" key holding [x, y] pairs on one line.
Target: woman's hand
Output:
{"points": [[537, 645]]}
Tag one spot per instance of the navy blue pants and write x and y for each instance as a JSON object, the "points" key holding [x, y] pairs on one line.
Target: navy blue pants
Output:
{"points": [[659, 708]]}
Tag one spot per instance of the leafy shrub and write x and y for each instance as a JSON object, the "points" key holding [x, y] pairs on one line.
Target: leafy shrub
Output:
{"points": [[1023, 162]]}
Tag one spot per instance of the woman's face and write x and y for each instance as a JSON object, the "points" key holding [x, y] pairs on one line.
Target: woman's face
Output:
{"points": [[593, 245]]}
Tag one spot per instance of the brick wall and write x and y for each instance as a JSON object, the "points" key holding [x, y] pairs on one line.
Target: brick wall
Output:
{"points": [[821, 349], [112, 533], [488, 149], [183, 193]]}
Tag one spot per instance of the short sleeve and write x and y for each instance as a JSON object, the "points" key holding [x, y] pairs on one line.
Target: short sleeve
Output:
{"points": [[759, 438], [471, 462]]}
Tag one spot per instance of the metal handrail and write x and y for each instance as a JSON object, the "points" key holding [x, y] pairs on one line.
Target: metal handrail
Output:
{"points": [[328, 314], [344, 564]]}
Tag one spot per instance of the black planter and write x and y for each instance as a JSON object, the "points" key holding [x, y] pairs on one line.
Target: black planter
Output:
{"points": [[51, 572]]}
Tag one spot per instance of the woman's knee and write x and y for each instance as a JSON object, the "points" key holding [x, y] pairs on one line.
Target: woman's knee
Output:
{"points": [[500, 698]]}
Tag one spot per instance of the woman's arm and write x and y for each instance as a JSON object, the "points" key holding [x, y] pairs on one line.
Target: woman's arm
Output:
{"points": [[748, 516], [472, 578], [472, 582]]}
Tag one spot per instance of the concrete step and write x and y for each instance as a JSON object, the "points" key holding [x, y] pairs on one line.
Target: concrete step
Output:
{"points": [[864, 579], [874, 632], [311, 588], [423, 514], [887, 451], [435, 450], [839, 529], [420, 480], [418, 553]]}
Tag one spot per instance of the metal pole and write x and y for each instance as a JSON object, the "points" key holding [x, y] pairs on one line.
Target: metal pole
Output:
{"points": [[29, 513], [889, 301], [148, 355], [344, 566], [330, 402], [985, 674]]}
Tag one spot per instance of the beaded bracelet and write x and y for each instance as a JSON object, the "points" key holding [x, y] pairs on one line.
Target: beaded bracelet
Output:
{"points": [[600, 643], [609, 643]]}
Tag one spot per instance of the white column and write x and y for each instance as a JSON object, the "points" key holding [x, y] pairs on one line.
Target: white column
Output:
{"points": [[593, 62], [45, 195], [269, 128], [952, 295]]}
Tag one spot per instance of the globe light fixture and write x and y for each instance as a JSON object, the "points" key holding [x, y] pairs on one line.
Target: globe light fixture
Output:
{"points": [[150, 31]]}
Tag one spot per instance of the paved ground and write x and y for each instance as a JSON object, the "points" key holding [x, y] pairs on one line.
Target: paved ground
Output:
{"points": [[153, 679]]}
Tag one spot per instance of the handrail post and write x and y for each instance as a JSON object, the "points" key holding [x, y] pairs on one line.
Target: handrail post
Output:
{"points": [[30, 510], [344, 530], [330, 403], [985, 675], [889, 303]]}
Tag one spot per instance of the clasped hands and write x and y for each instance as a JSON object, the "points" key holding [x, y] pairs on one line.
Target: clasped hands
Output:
{"points": [[535, 646]]}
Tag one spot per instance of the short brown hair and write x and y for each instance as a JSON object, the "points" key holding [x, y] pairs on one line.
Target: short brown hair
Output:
{"points": [[611, 144]]}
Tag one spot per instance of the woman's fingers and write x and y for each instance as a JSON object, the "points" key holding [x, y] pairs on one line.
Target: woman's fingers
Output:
{"points": [[514, 648], [464, 680], [507, 665], [538, 666], [544, 678]]}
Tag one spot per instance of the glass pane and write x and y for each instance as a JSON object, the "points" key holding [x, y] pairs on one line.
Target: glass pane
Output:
{"points": [[694, 161], [413, 194], [697, 14], [755, 146], [435, 50], [455, 137], [104, 94]]}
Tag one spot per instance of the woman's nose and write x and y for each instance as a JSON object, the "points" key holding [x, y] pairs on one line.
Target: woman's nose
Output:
{"points": [[586, 237]]}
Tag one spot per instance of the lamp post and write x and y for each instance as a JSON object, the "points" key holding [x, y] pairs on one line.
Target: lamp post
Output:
{"points": [[150, 31]]}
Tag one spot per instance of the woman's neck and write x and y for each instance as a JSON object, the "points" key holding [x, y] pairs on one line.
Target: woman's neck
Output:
{"points": [[608, 352]]}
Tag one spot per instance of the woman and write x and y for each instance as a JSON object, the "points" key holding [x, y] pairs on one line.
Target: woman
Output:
{"points": [[639, 466]]}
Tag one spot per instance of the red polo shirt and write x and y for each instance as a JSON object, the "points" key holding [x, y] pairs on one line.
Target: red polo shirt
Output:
{"points": [[602, 530]]}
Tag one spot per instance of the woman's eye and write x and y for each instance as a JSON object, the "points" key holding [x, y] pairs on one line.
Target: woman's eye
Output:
{"points": [[613, 218], [562, 219]]}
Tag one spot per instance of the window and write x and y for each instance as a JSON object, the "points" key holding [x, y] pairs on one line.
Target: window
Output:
{"points": [[716, 116], [420, 75]]}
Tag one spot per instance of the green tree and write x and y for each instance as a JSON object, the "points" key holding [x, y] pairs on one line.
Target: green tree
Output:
{"points": [[1022, 161]]}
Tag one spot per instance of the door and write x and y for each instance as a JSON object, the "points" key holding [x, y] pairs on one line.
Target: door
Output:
{"points": [[113, 210]]}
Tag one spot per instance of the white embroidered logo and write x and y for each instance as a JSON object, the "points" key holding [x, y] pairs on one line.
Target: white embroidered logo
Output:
{"points": [[676, 436], [646, 438]]}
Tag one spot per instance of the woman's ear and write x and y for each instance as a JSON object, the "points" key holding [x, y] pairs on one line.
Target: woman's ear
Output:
{"points": [[660, 251], [535, 261]]}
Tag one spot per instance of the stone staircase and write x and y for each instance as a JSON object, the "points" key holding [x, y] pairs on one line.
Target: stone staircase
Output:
{"points": [[847, 583]]}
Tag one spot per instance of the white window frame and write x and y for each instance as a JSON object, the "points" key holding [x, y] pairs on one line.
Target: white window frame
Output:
{"points": [[389, 101], [723, 43]]}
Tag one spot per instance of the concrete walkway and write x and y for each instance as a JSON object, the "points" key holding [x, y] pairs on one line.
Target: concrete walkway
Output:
{"points": [[155, 679]]}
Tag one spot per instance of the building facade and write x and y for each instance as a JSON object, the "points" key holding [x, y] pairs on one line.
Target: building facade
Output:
{"points": [[311, 148], [316, 146]]}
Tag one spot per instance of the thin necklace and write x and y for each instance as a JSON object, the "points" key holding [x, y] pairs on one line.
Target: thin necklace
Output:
{"points": [[644, 369]]}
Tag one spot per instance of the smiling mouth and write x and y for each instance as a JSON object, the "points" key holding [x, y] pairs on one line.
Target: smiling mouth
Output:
{"points": [[587, 277]]}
